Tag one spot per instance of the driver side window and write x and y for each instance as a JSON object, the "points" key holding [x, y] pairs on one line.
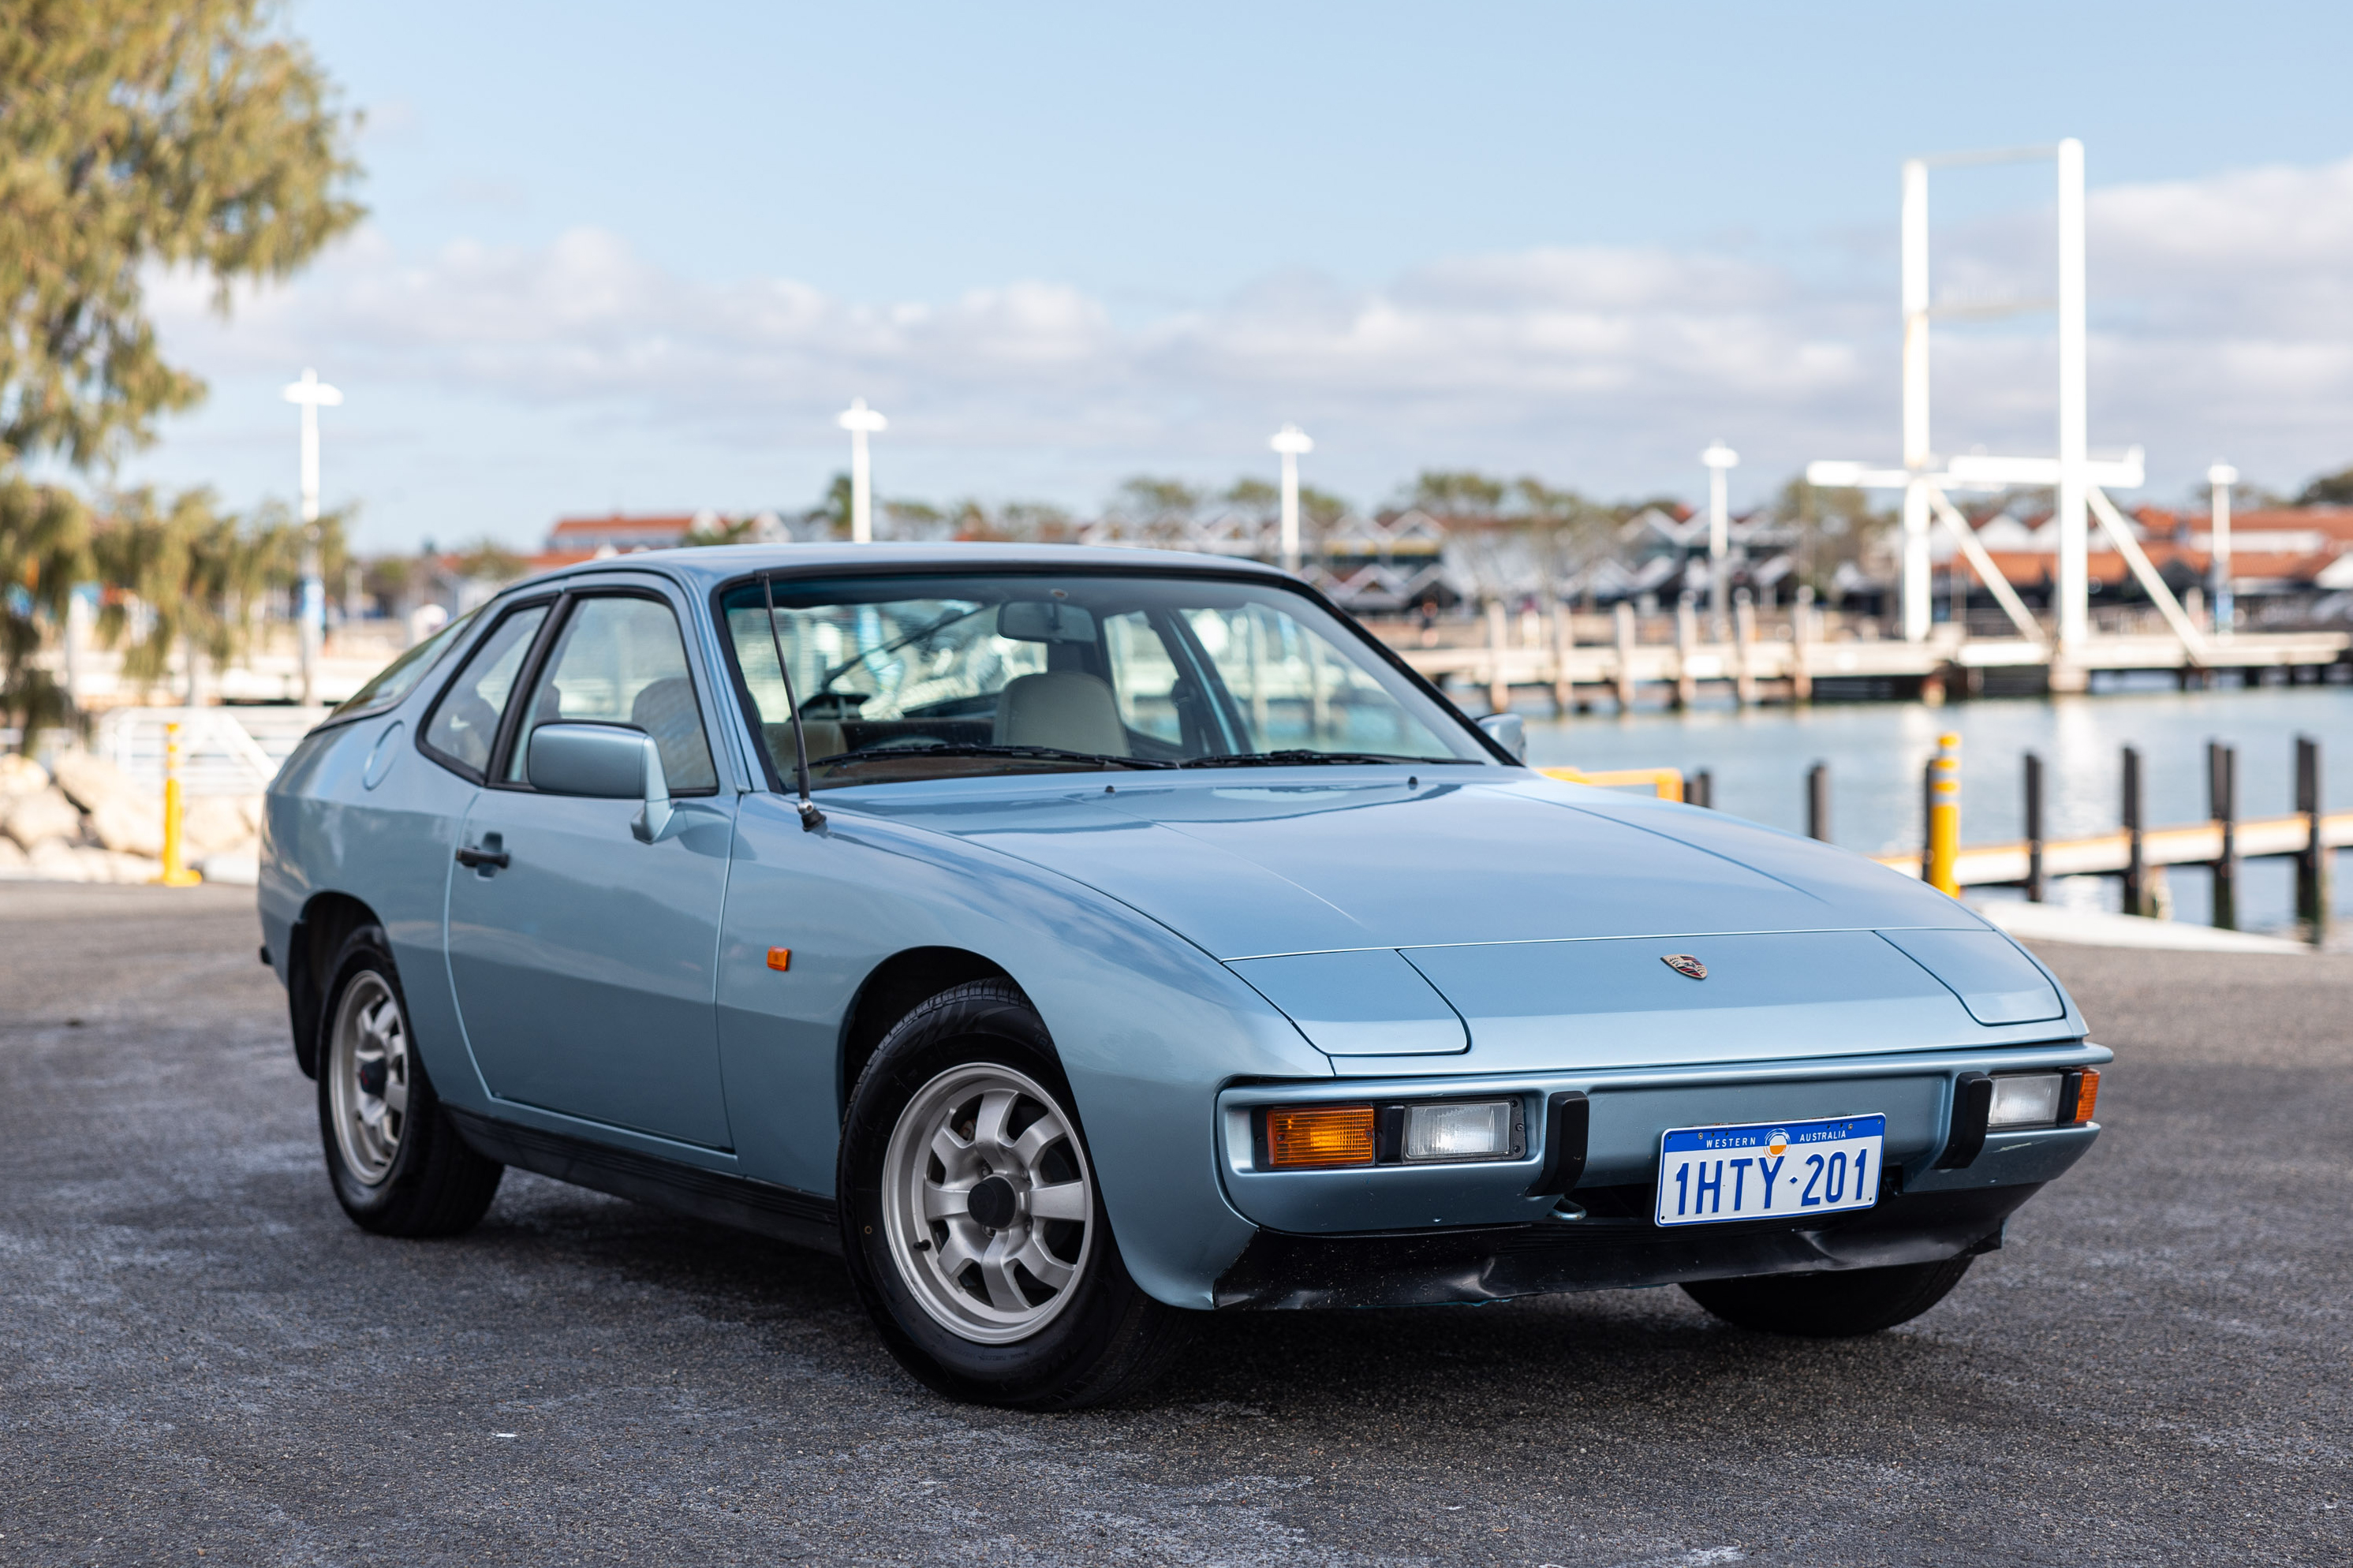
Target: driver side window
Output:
{"points": [[620, 660]]}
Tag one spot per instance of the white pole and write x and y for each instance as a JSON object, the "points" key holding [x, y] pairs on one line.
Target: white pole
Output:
{"points": [[311, 394], [2222, 475], [1918, 454], [2074, 569], [1291, 441], [860, 421], [1720, 460]]}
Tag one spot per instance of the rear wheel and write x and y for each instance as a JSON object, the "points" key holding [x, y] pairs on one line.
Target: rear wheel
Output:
{"points": [[972, 1221], [1837, 1304], [398, 1166]]}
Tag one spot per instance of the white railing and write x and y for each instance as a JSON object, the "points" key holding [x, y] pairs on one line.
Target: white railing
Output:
{"points": [[223, 751]]}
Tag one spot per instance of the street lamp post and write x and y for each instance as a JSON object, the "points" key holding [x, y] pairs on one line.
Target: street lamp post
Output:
{"points": [[1720, 460], [311, 395], [2222, 475], [1291, 442], [861, 422]]}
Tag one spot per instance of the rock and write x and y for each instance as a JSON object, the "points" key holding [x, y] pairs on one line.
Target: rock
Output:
{"points": [[46, 813], [11, 859], [238, 867], [54, 860], [135, 868], [212, 822], [89, 779], [20, 774], [129, 824]]}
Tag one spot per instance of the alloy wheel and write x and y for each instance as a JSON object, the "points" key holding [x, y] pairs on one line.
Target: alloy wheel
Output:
{"points": [[368, 1067], [987, 1202]]}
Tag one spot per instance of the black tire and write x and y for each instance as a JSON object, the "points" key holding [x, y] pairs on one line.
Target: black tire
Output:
{"points": [[1106, 1339], [419, 1179], [1834, 1305]]}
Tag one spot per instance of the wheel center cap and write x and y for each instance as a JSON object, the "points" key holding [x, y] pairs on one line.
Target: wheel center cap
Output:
{"points": [[371, 1077], [994, 1203]]}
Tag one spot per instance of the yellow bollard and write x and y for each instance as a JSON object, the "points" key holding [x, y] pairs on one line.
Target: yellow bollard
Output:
{"points": [[1945, 816], [175, 874]]}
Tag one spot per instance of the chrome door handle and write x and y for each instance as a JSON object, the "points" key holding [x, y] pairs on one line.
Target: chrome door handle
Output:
{"points": [[482, 857]]}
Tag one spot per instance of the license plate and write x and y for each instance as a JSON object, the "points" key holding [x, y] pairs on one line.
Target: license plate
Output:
{"points": [[1709, 1175]]}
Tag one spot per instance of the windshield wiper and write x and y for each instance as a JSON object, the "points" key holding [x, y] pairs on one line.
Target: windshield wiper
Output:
{"points": [[1046, 754], [1288, 759]]}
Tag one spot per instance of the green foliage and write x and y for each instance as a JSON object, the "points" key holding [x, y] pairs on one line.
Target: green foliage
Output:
{"points": [[723, 531], [2330, 490], [135, 133], [1834, 527], [187, 575], [1149, 499], [44, 551], [1455, 493], [138, 134], [488, 560]]}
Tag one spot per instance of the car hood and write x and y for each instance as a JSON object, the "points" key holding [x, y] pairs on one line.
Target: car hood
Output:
{"points": [[1299, 860]]}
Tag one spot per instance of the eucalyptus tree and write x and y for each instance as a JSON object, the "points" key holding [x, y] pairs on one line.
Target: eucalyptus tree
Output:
{"points": [[135, 136]]}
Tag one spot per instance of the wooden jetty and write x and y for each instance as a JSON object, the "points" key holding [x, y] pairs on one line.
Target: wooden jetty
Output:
{"points": [[1789, 666]]}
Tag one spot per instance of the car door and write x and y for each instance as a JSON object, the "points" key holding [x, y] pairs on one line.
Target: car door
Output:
{"points": [[581, 958]]}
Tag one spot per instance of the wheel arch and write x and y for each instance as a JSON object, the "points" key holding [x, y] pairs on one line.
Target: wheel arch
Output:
{"points": [[894, 988], [326, 919]]}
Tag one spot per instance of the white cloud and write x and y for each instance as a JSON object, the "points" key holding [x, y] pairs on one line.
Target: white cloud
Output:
{"points": [[2223, 317]]}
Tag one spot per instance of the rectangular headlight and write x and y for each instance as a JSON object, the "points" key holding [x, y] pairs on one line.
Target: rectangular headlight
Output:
{"points": [[1458, 1130], [2025, 1100]]}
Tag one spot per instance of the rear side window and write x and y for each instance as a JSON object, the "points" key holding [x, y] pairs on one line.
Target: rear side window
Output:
{"points": [[398, 678], [620, 660], [465, 723]]}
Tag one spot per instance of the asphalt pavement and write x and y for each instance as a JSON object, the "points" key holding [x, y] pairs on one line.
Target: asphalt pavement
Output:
{"points": [[204, 1363]]}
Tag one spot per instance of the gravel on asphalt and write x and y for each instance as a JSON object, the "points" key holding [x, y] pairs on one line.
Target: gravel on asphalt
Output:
{"points": [[207, 1364]]}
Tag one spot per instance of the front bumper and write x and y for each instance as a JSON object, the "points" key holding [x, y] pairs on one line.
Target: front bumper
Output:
{"points": [[1495, 1263]]}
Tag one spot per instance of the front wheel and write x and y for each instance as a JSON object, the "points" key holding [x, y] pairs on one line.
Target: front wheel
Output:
{"points": [[972, 1221], [398, 1166], [1834, 1305]]}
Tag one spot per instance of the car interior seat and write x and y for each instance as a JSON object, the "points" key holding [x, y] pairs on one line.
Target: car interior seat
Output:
{"points": [[665, 711], [1065, 709]]}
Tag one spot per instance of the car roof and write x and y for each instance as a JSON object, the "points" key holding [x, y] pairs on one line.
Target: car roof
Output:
{"points": [[705, 567]]}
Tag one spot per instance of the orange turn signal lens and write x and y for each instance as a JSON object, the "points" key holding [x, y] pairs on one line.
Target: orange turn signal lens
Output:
{"points": [[2088, 1096], [1299, 1135], [780, 958]]}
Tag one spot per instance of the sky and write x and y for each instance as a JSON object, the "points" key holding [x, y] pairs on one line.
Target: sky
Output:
{"points": [[637, 257]]}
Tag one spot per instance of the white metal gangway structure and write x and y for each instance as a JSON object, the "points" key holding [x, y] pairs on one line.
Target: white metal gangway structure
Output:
{"points": [[2080, 481]]}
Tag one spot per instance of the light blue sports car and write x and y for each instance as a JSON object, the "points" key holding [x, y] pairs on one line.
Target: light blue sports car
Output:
{"points": [[1077, 940]]}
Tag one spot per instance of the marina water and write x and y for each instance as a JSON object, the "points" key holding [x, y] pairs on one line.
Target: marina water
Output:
{"points": [[1876, 752]]}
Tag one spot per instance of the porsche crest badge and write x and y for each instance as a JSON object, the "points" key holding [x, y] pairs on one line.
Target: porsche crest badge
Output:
{"points": [[1685, 964]]}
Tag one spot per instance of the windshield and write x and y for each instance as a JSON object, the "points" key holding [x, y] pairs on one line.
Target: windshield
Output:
{"points": [[912, 678]]}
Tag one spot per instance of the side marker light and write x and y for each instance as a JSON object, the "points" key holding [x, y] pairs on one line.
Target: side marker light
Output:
{"points": [[2088, 1096], [1304, 1135], [780, 958]]}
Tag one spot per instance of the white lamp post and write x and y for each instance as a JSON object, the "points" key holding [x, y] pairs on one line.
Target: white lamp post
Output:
{"points": [[861, 422], [1720, 460], [311, 395], [1291, 441], [2222, 475]]}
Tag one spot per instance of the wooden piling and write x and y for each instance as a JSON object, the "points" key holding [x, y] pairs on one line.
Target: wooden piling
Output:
{"points": [[1801, 642], [1744, 647], [2137, 899], [2034, 888], [1625, 671], [2312, 863], [1564, 637], [1700, 789], [1818, 802], [1686, 640], [2223, 805], [1499, 687]]}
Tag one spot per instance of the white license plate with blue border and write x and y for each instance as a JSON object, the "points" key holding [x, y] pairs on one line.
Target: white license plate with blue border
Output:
{"points": [[1774, 1169]]}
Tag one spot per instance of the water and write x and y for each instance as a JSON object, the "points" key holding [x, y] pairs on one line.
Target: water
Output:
{"points": [[1876, 752]]}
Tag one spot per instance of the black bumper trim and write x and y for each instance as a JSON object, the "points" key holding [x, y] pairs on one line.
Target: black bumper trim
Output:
{"points": [[1495, 1263], [787, 1213]]}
